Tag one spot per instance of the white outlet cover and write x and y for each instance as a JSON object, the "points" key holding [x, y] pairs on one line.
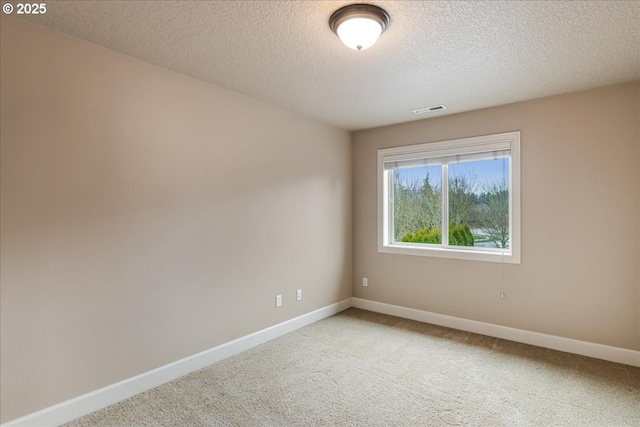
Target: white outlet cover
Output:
{"points": [[278, 300]]}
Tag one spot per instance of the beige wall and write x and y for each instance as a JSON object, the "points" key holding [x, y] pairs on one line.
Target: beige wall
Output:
{"points": [[579, 276], [147, 216]]}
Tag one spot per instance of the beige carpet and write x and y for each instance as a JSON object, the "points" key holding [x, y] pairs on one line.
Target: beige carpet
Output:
{"points": [[364, 369]]}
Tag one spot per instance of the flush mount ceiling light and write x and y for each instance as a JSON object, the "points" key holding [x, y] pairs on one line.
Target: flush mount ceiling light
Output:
{"points": [[359, 25]]}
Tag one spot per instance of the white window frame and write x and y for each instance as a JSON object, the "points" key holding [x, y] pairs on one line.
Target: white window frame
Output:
{"points": [[464, 146]]}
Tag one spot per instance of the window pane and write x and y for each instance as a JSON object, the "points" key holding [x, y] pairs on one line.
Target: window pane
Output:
{"points": [[417, 204], [479, 203]]}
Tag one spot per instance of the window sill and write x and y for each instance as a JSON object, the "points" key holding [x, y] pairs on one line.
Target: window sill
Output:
{"points": [[451, 253]]}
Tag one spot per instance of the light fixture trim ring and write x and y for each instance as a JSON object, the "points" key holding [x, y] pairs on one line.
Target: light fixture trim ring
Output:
{"points": [[359, 10]]}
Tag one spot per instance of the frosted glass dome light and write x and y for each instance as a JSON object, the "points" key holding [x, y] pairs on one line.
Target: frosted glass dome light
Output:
{"points": [[359, 25], [359, 33]]}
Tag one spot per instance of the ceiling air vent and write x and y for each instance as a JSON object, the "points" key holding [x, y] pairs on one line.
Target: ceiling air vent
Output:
{"points": [[429, 109]]}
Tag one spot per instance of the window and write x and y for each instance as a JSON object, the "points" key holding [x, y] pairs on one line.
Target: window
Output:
{"points": [[468, 187]]}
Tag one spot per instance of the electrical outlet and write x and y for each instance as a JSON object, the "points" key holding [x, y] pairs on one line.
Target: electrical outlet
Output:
{"points": [[278, 300], [365, 282], [298, 294]]}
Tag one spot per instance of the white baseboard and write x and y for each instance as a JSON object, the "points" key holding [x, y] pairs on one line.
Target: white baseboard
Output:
{"points": [[106, 396], [584, 348]]}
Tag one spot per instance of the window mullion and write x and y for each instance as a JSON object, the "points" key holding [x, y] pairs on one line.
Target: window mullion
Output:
{"points": [[445, 205]]}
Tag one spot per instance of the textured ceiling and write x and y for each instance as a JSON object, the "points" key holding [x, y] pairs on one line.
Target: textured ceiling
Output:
{"points": [[466, 55]]}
